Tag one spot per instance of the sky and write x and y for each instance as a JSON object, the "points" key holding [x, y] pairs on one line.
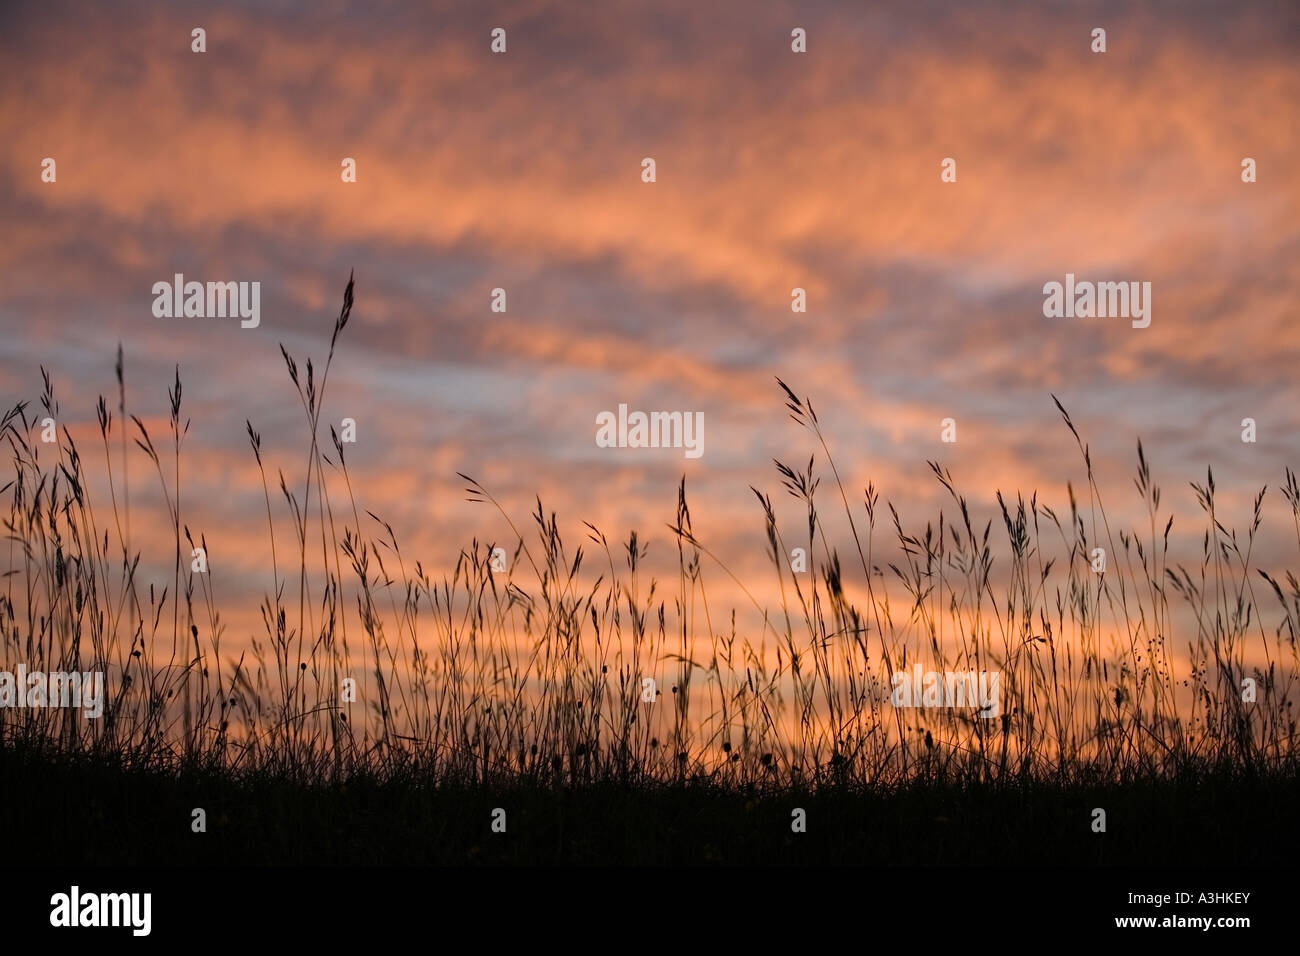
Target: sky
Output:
{"points": [[774, 170]]}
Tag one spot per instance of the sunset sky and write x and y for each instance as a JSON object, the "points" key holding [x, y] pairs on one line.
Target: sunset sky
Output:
{"points": [[775, 170]]}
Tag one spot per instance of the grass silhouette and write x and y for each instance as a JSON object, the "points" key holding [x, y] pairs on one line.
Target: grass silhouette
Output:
{"points": [[483, 689]]}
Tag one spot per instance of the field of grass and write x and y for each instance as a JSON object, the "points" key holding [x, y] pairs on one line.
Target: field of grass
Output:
{"points": [[476, 689]]}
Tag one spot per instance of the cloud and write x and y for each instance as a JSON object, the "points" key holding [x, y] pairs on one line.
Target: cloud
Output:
{"points": [[775, 171]]}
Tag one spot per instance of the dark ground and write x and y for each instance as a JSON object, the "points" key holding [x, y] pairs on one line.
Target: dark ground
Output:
{"points": [[78, 811]]}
